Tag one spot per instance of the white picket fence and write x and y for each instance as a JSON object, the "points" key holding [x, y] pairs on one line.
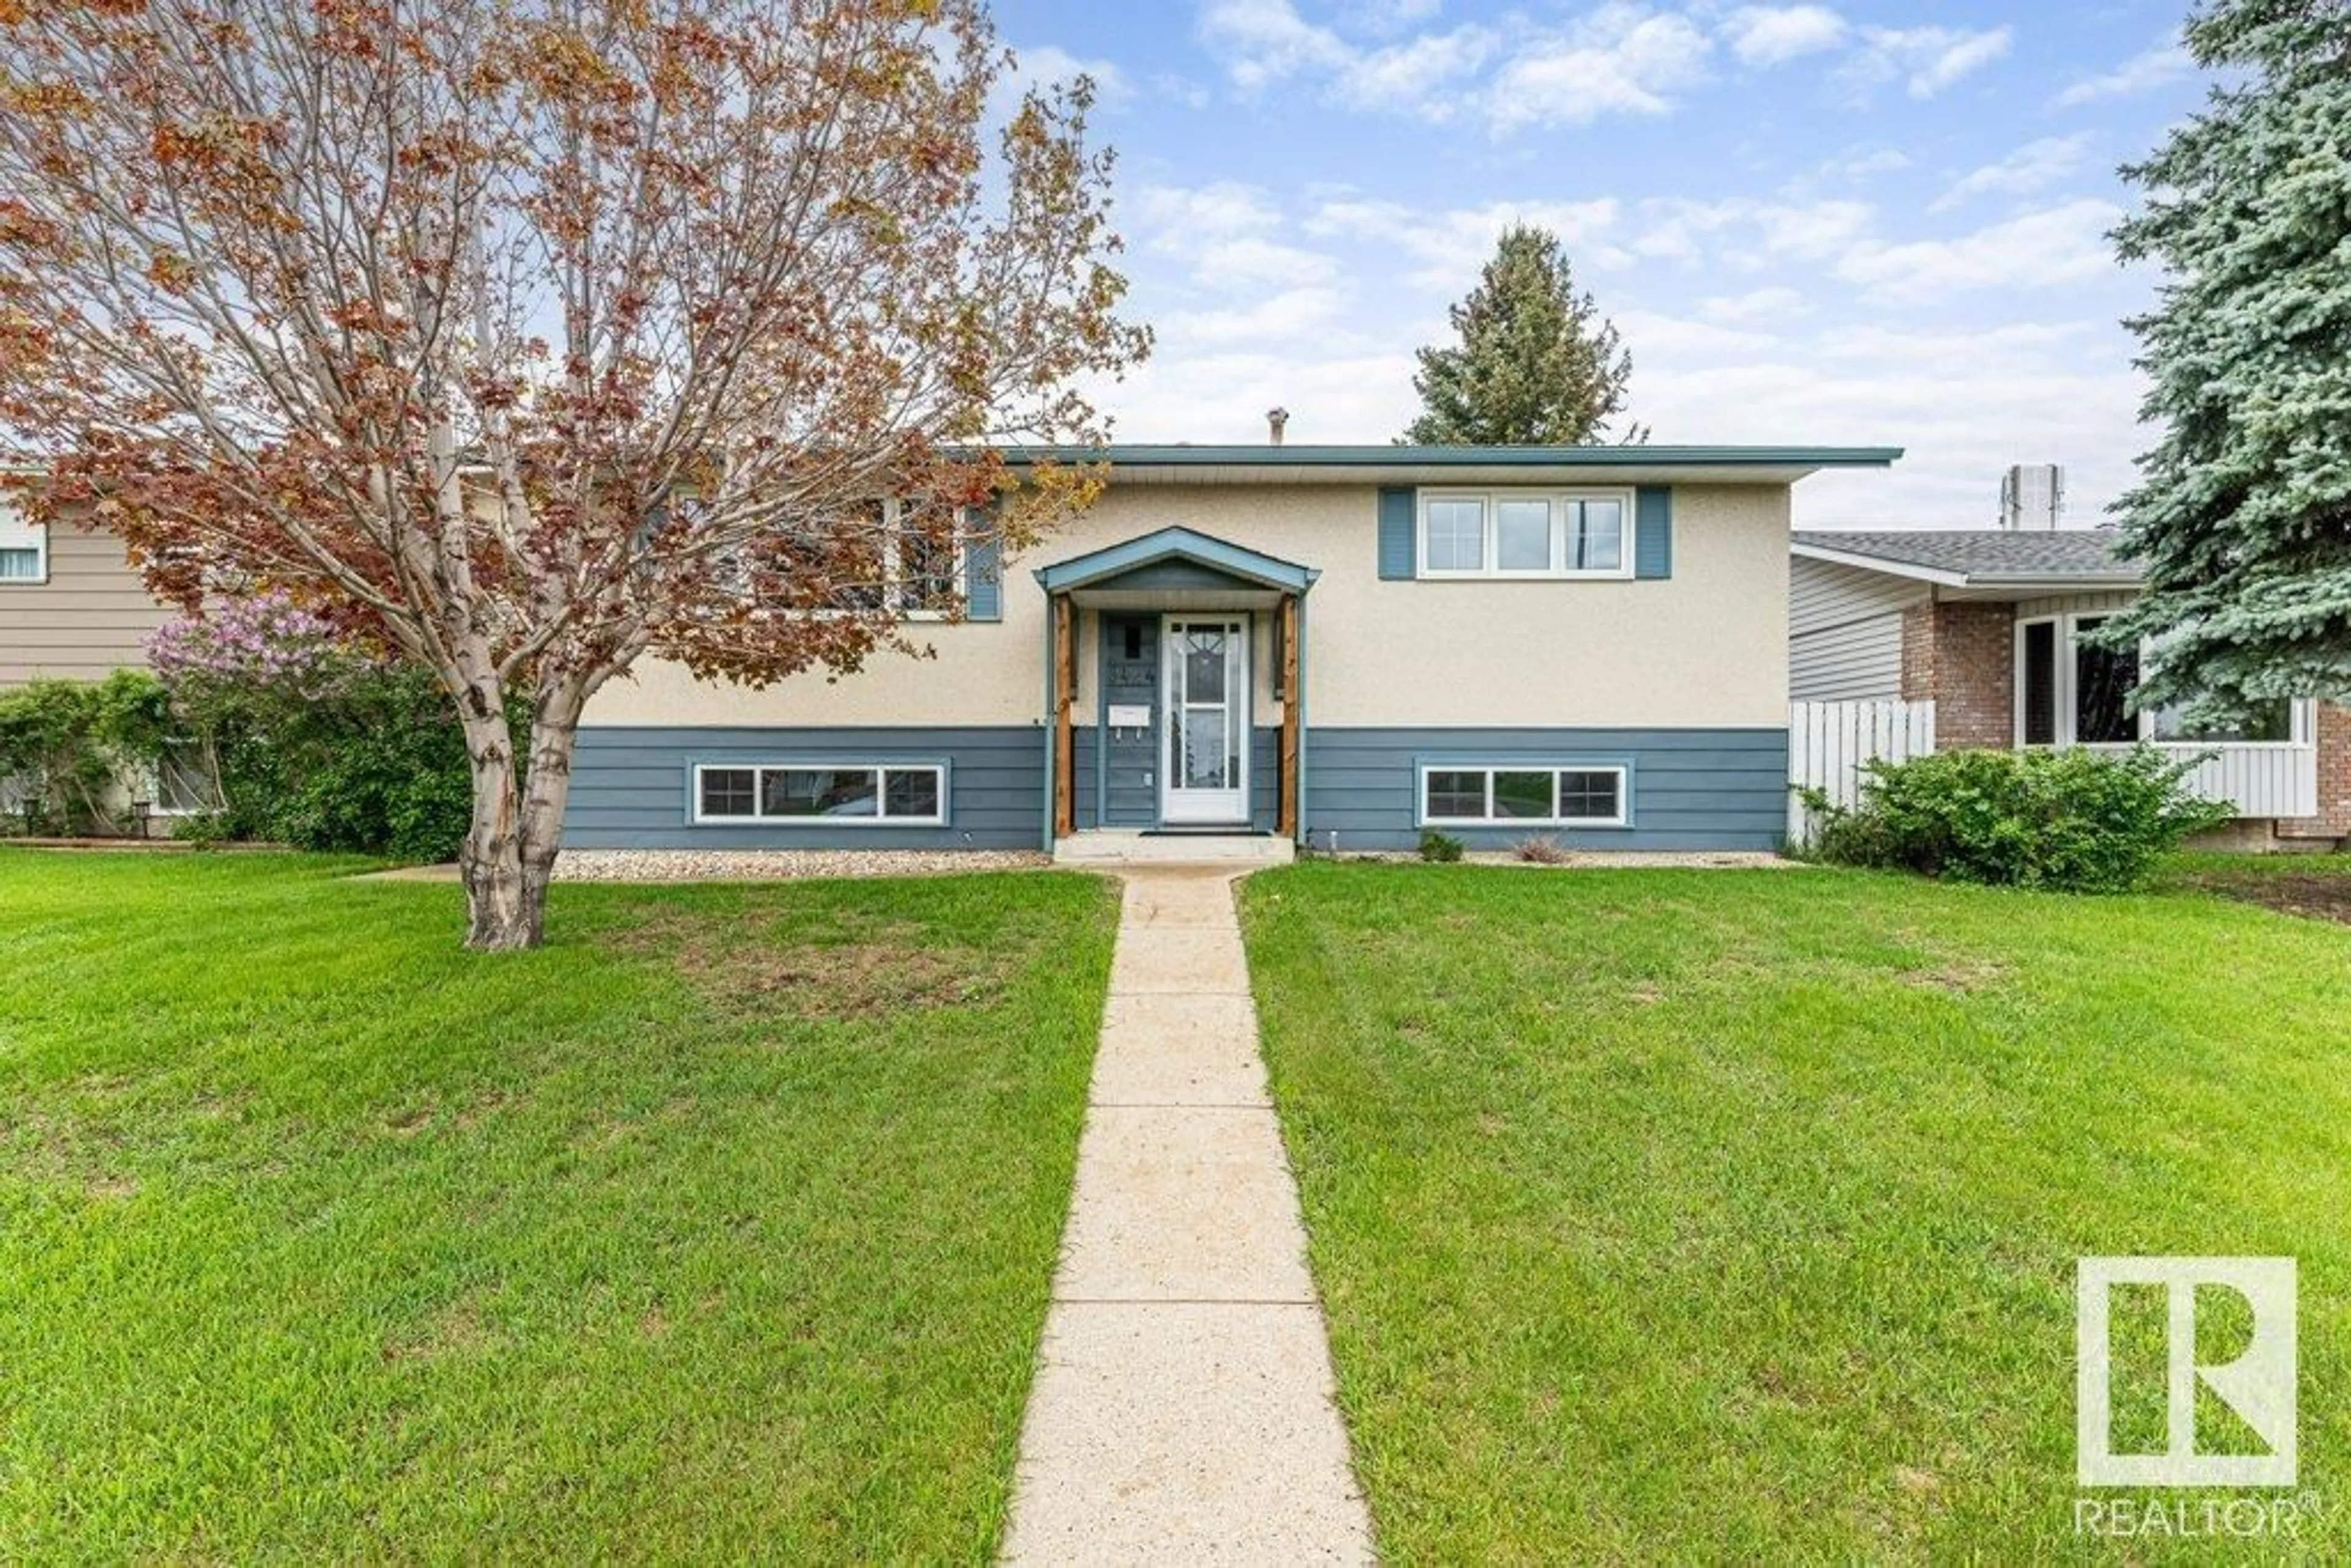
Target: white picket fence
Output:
{"points": [[1828, 742]]}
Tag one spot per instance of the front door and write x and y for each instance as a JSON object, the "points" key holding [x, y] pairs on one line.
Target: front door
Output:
{"points": [[1206, 687], [1129, 734]]}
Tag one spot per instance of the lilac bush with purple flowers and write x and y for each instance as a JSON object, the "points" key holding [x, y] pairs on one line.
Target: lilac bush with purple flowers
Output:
{"points": [[262, 638], [319, 741]]}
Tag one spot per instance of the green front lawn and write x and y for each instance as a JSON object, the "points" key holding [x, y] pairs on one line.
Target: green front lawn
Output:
{"points": [[1733, 1216], [720, 1229]]}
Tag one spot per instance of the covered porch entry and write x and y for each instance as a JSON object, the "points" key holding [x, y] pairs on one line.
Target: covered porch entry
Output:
{"points": [[1174, 689]]}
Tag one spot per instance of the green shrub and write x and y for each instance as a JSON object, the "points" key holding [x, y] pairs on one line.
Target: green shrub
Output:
{"points": [[376, 764], [67, 748], [2074, 821], [1436, 846]]}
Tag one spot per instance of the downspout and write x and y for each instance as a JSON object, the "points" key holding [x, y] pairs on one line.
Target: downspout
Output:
{"points": [[1045, 824], [1305, 835], [1101, 721]]}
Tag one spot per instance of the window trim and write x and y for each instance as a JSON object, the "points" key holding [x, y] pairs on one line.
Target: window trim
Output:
{"points": [[2064, 715], [893, 583], [1558, 501], [938, 765], [1489, 766], [152, 776], [17, 534], [893, 566]]}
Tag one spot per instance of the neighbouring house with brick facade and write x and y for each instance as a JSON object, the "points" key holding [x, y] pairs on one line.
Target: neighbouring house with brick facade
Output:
{"points": [[1986, 626]]}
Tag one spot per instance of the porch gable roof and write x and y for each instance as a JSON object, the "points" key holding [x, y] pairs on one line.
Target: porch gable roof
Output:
{"points": [[1100, 568]]}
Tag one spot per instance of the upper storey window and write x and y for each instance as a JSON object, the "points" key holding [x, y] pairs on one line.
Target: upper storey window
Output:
{"points": [[1523, 534]]}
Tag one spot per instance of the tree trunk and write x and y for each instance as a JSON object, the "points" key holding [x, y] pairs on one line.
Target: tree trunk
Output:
{"points": [[508, 855]]}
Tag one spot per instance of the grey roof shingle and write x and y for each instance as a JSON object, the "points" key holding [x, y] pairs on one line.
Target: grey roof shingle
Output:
{"points": [[1990, 555]]}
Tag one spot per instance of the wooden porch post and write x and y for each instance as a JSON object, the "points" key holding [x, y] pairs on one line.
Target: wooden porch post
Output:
{"points": [[1287, 805], [1065, 696]]}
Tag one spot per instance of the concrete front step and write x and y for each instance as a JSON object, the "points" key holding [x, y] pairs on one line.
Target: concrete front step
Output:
{"points": [[1130, 846]]}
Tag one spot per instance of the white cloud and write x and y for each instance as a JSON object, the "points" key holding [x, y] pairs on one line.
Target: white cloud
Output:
{"points": [[1215, 268], [1265, 41], [2062, 245], [1927, 60], [1777, 302], [2157, 68], [1253, 260], [1353, 394], [1262, 42], [1854, 166], [1390, 15], [1620, 59], [1183, 214], [1416, 77], [1743, 232], [1291, 315], [1451, 245], [1773, 34], [1180, 89], [2031, 168], [1041, 65]]}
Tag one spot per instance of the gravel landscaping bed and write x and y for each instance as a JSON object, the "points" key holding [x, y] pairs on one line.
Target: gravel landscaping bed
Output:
{"points": [[1605, 860], [773, 865]]}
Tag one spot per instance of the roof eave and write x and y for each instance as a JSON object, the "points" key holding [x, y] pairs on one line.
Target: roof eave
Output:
{"points": [[1943, 577], [2060, 582], [1733, 458], [1909, 568]]}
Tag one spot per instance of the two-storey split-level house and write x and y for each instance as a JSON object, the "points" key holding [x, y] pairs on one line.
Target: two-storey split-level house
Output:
{"points": [[1339, 646]]}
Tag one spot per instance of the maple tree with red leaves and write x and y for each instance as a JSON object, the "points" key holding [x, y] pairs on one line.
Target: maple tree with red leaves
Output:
{"points": [[529, 337]]}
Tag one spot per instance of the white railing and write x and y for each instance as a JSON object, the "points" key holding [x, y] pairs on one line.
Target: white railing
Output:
{"points": [[2276, 780], [1828, 742]]}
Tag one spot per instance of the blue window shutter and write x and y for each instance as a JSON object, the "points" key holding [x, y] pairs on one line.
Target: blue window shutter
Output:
{"points": [[1399, 558], [983, 559], [1653, 531]]}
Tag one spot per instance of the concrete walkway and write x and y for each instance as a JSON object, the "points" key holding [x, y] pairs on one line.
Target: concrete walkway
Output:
{"points": [[1183, 1409]]}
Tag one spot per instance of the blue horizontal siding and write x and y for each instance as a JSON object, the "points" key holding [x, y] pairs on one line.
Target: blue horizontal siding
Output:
{"points": [[630, 786], [1689, 789], [1138, 804]]}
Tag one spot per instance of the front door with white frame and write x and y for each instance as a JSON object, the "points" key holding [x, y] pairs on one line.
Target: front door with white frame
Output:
{"points": [[1207, 692]]}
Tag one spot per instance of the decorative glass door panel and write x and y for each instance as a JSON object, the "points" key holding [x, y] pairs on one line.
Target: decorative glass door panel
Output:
{"points": [[1206, 691]]}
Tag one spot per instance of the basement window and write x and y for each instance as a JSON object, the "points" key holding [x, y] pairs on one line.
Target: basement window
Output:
{"points": [[1521, 795], [856, 794]]}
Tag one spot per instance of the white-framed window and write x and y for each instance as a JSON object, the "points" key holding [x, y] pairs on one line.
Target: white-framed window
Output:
{"points": [[2072, 692], [1544, 534], [180, 783], [834, 794], [897, 555], [911, 560], [24, 550], [1521, 795]]}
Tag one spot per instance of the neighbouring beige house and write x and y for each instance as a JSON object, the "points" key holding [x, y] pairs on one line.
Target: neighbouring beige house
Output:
{"points": [[71, 605], [1976, 638]]}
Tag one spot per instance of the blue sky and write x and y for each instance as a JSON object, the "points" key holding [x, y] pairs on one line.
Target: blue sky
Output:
{"points": [[1839, 223]]}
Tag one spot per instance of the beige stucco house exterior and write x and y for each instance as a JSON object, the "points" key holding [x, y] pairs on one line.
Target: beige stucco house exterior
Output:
{"points": [[1338, 645]]}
